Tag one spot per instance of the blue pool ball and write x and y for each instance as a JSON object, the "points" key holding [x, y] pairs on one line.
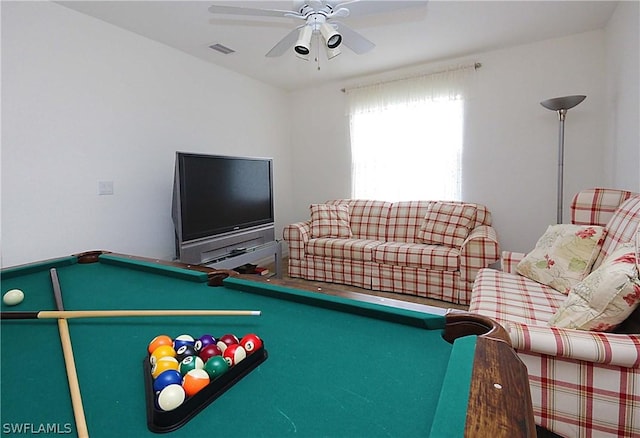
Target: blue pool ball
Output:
{"points": [[183, 340], [203, 341], [166, 378]]}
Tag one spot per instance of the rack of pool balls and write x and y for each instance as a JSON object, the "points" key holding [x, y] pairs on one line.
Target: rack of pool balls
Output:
{"points": [[185, 374]]}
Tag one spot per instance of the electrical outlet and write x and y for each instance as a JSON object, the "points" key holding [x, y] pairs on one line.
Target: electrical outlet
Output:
{"points": [[105, 187]]}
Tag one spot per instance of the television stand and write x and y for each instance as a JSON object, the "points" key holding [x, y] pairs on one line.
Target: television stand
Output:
{"points": [[242, 256]]}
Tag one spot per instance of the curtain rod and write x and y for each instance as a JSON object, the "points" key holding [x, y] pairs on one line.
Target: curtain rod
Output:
{"points": [[475, 65]]}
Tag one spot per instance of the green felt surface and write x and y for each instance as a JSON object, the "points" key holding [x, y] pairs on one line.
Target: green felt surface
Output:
{"points": [[330, 372]]}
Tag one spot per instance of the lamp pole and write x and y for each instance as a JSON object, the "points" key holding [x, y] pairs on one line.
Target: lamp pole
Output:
{"points": [[561, 105]]}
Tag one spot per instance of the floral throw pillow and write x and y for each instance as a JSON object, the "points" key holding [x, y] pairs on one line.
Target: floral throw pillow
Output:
{"points": [[606, 297], [563, 256], [447, 223], [330, 221]]}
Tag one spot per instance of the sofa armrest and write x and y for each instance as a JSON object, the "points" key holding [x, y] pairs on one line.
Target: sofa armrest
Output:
{"points": [[478, 251], [509, 260], [599, 347], [297, 235]]}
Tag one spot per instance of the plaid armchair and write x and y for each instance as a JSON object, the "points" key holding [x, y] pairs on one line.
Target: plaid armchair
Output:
{"points": [[583, 383]]}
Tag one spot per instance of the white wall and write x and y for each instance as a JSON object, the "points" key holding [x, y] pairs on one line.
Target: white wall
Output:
{"points": [[511, 141], [84, 101], [623, 97]]}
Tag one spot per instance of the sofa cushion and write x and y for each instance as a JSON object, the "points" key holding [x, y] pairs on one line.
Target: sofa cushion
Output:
{"points": [[330, 221], [367, 218], [447, 223], [350, 249], [606, 297], [563, 256], [511, 297], [417, 255]]}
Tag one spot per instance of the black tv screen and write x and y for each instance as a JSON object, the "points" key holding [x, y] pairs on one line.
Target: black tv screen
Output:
{"points": [[219, 194]]}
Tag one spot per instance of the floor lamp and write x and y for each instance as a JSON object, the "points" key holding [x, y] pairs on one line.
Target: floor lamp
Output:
{"points": [[561, 105]]}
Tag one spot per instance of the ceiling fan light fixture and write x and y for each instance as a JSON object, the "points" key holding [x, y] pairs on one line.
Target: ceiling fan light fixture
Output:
{"points": [[303, 44], [332, 53], [331, 36]]}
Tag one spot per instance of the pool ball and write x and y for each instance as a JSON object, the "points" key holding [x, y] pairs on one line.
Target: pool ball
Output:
{"points": [[194, 381], [159, 341], [170, 397], [226, 340], [209, 351], [216, 366], [164, 364], [162, 351], [234, 354], [185, 351], [251, 343], [190, 363], [203, 341], [13, 297], [183, 340], [166, 378]]}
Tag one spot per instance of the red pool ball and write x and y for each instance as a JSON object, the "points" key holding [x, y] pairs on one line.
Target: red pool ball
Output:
{"points": [[251, 343], [226, 340], [233, 354], [209, 351]]}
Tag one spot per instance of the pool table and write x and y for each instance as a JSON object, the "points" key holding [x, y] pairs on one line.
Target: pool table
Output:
{"points": [[335, 365]]}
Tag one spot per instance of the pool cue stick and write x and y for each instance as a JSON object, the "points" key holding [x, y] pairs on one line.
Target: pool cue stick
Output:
{"points": [[68, 314], [69, 361]]}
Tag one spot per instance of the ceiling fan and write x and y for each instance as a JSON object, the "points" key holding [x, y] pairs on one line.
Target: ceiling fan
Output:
{"points": [[319, 21]]}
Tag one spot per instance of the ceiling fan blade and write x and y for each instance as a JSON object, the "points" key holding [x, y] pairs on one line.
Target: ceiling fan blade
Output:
{"points": [[235, 10], [284, 44], [359, 8], [353, 40], [341, 12]]}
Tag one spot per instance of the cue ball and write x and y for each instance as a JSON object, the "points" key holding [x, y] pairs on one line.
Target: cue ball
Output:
{"points": [[13, 297], [171, 397]]}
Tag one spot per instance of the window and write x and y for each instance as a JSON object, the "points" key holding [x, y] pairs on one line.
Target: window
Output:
{"points": [[407, 138]]}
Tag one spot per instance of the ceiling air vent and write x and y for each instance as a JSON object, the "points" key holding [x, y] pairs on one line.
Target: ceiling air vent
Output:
{"points": [[222, 49]]}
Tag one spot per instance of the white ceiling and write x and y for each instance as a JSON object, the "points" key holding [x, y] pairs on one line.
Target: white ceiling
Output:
{"points": [[419, 33]]}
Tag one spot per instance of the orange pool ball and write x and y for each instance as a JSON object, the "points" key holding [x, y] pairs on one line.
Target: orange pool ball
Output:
{"points": [[194, 381], [159, 341]]}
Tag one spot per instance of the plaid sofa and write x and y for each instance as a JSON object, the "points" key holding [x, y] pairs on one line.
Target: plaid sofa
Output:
{"points": [[386, 253], [583, 383]]}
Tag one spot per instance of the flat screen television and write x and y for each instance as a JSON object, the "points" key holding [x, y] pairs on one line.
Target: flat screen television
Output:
{"points": [[221, 203]]}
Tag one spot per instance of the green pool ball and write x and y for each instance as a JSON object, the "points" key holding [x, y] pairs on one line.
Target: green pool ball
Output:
{"points": [[216, 366], [190, 363]]}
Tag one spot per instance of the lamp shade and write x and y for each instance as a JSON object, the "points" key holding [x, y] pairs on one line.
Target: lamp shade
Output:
{"points": [[562, 103]]}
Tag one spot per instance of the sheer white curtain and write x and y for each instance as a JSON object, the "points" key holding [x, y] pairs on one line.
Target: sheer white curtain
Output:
{"points": [[407, 137]]}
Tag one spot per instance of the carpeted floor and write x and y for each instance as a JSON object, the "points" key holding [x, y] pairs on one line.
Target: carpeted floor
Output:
{"points": [[340, 289]]}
